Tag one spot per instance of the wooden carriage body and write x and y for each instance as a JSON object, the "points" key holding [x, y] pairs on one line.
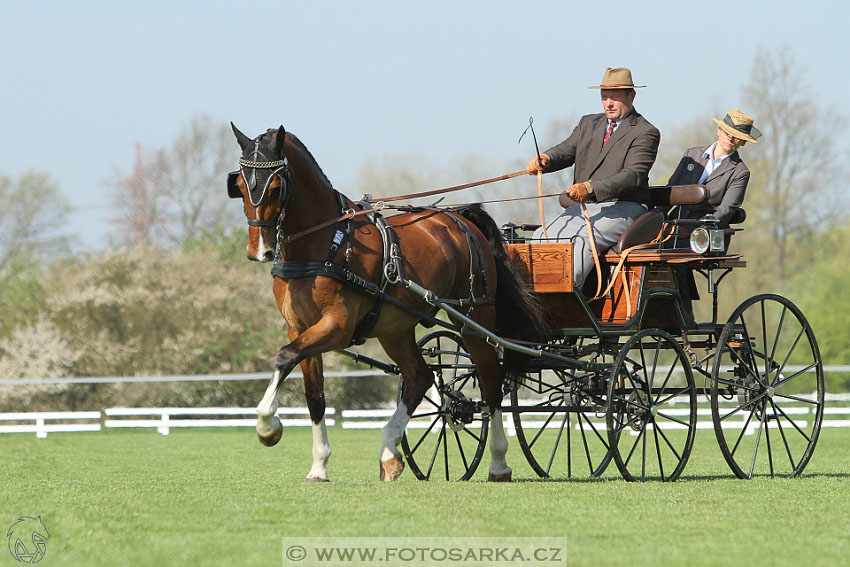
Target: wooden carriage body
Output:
{"points": [[641, 268], [644, 292]]}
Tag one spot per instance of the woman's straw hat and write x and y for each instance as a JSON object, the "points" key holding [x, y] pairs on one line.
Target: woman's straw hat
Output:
{"points": [[739, 125], [617, 78]]}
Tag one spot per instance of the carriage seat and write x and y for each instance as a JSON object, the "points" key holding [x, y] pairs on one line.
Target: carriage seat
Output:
{"points": [[648, 225]]}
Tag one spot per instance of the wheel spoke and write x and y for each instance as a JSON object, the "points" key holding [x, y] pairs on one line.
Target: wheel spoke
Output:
{"points": [[752, 350], [758, 440], [796, 399], [426, 414], [675, 452], [764, 338], [664, 386], [735, 383], [791, 421], [436, 450], [742, 406], [542, 429], [446, 452], [671, 418], [472, 434], [658, 449], [767, 439], [791, 350], [778, 331], [743, 431], [632, 403], [557, 442], [784, 439], [631, 452], [593, 427], [424, 435], [673, 395], [643, 456], [460, 449], [787, 379]]}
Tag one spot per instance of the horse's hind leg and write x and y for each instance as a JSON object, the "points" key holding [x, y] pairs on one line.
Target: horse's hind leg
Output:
{"points": [[416, 377], [490, 381]]}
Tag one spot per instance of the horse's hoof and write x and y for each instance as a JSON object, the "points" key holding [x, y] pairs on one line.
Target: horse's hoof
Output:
{"points": [[503, 477], [316, 479], [275, 432], [391, 469], [270, 441]]}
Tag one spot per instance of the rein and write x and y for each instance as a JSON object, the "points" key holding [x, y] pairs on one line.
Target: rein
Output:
{"points": [[379, 203], [450, 189]]}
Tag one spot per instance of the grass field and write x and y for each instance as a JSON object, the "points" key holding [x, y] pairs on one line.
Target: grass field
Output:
{"points": [[213, 497]]}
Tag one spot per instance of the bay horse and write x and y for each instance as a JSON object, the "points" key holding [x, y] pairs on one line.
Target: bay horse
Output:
{"points": [[335, 280]]}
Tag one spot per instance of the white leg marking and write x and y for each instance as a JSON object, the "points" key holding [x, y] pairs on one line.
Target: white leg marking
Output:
{"points": [[392, 433], [498, 445], [268, 423], [321, 453]]}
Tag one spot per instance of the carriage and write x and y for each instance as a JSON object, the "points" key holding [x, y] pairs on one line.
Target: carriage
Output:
{"points": [[633, 371], [625, 374]]}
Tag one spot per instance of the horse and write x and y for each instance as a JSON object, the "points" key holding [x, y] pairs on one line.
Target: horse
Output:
{"points": [[337, 276]]}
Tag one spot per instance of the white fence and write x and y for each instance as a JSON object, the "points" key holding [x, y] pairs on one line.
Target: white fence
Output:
{"points": [[164, 419], [836, 414], [38, 422]]}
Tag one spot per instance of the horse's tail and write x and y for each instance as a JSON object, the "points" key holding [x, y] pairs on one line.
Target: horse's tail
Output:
{"points": [[518, 313]]}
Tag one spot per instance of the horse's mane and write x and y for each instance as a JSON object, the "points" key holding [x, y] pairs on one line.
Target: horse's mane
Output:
{"points": [[300, 145]]}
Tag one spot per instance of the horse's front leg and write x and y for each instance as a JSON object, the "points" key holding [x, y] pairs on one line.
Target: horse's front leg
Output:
{"points": [[322, 337], [315, 393]]}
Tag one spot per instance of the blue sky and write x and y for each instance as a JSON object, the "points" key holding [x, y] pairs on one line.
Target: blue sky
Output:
{"points": [[85, 81]]}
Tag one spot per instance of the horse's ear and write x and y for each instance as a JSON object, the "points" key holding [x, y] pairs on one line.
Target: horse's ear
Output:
{"points": [[243, 140], [279, 139], [233, 190]]}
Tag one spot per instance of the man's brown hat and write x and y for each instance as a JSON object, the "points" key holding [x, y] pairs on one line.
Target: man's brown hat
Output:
{"points": [[617, 78], [739, 125]]}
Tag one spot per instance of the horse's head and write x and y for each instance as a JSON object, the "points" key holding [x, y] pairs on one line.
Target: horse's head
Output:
{"points": [[265, 186]]}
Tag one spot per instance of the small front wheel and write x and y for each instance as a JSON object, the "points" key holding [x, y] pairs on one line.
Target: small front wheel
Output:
{"points": [[652, 408], [447, 433]]}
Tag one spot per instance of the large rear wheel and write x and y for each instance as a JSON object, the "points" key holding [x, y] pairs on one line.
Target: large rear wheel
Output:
{"points": [[767, 394]]}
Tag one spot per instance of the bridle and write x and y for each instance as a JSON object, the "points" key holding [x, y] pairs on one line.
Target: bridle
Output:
{"points": [[248, 170]]}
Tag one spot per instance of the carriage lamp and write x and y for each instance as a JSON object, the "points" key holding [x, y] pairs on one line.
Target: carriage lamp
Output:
{"points": [[708, 238]]}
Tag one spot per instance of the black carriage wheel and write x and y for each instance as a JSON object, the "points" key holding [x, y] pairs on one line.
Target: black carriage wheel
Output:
{"points": [[652, 408], [767, 392], [447, 432], [553, 438]]}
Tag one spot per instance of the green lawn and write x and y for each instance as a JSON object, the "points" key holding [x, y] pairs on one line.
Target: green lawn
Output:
{"points": [[214, 497]]}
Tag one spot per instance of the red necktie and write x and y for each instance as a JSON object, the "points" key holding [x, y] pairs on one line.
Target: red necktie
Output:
{"points": [[610, 131]]}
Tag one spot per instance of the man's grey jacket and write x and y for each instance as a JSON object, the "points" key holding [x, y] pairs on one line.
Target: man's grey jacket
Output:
{"points": [[620, 170]]}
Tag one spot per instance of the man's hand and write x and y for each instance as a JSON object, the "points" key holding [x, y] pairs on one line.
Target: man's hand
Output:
{"points": [[535, 164], [578, 193]]}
